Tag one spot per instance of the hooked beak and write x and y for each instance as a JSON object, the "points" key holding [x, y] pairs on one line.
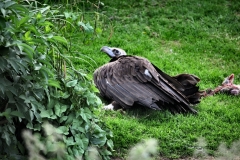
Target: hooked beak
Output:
{"points": [[108, 50]]}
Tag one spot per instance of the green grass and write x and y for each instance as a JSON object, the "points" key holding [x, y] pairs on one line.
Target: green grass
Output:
{"points": [[178, 36]]}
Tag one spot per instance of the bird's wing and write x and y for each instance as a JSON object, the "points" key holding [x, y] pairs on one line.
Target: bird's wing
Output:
{"points": [[133, 80], [186, 84]]}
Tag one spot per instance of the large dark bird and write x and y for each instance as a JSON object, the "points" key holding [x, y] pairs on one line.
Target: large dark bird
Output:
{"points": [[132, 81]]}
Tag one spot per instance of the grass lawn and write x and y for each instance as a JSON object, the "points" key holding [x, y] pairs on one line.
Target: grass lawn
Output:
{"points": [[178, 36]]}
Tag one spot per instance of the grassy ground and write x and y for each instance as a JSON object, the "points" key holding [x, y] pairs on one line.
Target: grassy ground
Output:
{"points": [[178, 36]]}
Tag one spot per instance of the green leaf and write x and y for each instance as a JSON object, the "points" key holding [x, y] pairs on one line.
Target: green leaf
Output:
{"points": [[62, 130], [87, 27], [8, 4], [14, 64], [83, 115], [85, 141], [2, 89], [110, 143], [27, 36], [71, 83], [99, 141], [19, 8], [11, 128], [70, 119], [3, 12], [67, 14], [29, 50], [63, 118], [69, 141], [98, 30], [28, 99], [23, 20], [54, 83], [37, 66], [60, 39], [46, 113], [6, 136], [59, 109], [42, 10], [35, 127], [17, 114], [33, 29], [2, 23]]}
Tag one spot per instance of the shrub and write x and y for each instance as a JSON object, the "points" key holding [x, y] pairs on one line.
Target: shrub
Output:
{"points": [[38, 83]]}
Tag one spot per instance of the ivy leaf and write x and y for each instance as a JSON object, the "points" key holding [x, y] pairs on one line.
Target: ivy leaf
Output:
{"points": [[46, 113], [35, 127], [84, 115], [62, 130], [59, 109], [82, 141], [63, 118], [99, 141], [69, 141]]}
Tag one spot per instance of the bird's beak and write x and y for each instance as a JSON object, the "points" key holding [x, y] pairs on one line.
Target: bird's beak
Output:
{"points": [[108, 50]]}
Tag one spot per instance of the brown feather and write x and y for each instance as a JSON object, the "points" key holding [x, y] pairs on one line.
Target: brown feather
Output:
{"points": [[124, 81]]}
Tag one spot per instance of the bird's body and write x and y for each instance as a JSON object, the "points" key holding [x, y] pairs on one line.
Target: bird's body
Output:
{"points": [[132, 80]]}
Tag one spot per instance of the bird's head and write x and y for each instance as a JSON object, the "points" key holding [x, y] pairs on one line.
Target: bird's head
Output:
{"points": [[113, 52]]}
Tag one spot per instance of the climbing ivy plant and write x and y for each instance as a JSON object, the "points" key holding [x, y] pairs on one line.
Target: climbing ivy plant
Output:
{"points": [[38, 84]]}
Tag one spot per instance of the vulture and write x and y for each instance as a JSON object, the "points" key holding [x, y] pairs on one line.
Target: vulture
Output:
{"points": [[227, 87], [129, 80]]}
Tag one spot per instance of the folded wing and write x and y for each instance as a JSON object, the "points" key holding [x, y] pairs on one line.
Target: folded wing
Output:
{"points": [[132, 80]]}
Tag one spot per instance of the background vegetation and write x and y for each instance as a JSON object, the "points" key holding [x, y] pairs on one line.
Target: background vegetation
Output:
{"points": [[63, 41]]}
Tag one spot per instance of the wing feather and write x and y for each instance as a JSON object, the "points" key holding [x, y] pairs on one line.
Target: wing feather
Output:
{"points": [[125, 82]]}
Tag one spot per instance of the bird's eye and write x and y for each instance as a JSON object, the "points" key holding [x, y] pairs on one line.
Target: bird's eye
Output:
{"points": [[115, 51]]}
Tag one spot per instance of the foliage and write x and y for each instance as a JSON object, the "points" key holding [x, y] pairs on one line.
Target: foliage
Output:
{"points": [[53, 145], [38, 83]]}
